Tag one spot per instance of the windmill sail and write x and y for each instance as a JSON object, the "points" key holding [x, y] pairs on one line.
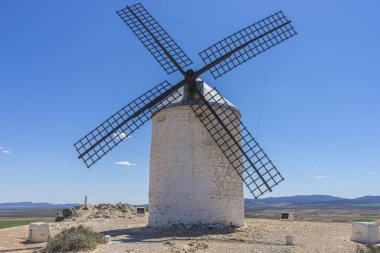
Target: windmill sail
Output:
{"points": [[245, 44], [159, 43], [240, 148], [222, 122], [123, 123]]}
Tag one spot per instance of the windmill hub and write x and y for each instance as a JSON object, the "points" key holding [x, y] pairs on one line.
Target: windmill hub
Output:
{"points": [[191, 75], [190, 87], [197, 180]]}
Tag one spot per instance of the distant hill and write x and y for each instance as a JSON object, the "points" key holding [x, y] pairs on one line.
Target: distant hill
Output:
{"points": [[307, 200], [299, 200], [367, 200], [18, 205]]}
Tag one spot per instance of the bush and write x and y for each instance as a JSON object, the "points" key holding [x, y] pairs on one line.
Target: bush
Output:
{"points": [[74, 239], [369, 249]]}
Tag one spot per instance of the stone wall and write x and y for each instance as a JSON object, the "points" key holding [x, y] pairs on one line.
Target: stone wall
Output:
{"points": [[191, 181]]}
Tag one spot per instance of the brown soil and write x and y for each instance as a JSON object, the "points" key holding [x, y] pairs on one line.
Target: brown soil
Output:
{"points": [[258, 235]]}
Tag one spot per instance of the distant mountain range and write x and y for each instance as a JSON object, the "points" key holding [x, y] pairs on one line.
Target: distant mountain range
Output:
{"points": [[298, 200], [301, 200]]}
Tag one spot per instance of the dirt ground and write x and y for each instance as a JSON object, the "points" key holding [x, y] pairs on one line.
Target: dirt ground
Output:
{"points": [[258, 235]]}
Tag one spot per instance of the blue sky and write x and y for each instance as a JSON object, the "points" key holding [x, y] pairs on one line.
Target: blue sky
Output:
{"points": [[65, 66]]}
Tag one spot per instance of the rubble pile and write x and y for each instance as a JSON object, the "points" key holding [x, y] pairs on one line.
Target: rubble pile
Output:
{"points": [[190, 247], [101, 211]]}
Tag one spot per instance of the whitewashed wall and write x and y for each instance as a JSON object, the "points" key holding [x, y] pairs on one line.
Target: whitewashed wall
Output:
{"points": [[191, 181]]}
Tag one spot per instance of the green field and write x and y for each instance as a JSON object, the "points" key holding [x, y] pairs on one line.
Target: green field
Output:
{"points": [[19, 222], [368, 215]]}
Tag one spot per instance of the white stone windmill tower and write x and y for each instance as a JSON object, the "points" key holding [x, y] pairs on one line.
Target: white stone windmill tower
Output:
{"points": [[201, 153]]}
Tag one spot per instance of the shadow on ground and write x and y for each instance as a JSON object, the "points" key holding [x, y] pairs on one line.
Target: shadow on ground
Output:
{"points": [[22, 249], [153, 235], [161, 234], [26, 242]]}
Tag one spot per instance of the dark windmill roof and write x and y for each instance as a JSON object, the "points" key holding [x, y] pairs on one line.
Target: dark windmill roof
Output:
{"points": [[211, 95]]}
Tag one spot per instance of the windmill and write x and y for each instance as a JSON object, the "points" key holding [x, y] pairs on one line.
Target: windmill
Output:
{"points": [[201, 152]]}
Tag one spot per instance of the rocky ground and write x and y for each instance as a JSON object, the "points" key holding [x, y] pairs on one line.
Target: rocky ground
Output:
{"points": [[101, 211], [131, 234]]}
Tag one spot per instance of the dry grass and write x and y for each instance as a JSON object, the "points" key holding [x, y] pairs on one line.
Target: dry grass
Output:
{"points": [[74, 239], [368, 249]]}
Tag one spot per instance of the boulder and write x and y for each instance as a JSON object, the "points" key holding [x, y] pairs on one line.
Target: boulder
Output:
{"points": [[365, 232]]}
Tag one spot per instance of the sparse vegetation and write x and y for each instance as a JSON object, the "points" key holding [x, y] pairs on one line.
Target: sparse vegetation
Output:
{"points": [[317, 214], [364, 220], [368, 214], [73, 240], [368, 249]]}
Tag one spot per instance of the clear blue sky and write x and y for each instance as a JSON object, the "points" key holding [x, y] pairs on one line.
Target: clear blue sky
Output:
{"points": [[65, 66]]}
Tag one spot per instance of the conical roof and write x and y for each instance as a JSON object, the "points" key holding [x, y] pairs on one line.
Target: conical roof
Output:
{"points": [[213, 97]]}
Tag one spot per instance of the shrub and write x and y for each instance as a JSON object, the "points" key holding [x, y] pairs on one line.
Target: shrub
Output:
{"points": [[369, 249], [74, 239]]}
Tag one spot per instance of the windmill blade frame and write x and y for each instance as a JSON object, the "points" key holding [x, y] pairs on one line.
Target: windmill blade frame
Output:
{"points": [[158, 42], [221, 120], [238, 145], [245, 44], [124, 122]]}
